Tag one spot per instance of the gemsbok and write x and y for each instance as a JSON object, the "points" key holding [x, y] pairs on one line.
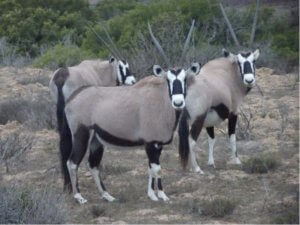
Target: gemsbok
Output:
{"points": [[145, 114], [112, 72], [216, 94]]}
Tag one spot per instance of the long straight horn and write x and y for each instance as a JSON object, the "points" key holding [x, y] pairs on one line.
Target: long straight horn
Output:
{"points": [[237, 43], [102, 40], [157, 45], [111, 41], [186, 44]]}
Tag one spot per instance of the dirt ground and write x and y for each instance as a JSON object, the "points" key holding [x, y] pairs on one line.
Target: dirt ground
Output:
{"points": [[274, 125]]}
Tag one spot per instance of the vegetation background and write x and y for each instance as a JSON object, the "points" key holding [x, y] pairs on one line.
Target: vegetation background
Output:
{"points": [[48, 34], [54, 33]]}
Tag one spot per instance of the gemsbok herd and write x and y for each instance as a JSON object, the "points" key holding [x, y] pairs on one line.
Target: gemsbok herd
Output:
{"points": [[99, 103]]}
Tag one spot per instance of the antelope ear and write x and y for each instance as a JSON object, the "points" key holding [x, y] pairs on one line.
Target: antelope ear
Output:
{"points": [[194, 69], [229, 55], [256, 54], [158, 71], [111, 59]]}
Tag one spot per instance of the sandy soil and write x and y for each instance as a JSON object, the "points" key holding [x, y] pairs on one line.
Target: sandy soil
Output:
{"points": [[259, 198]]}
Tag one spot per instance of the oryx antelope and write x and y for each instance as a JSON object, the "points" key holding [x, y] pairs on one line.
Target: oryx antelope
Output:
{"points": [[216, 94], [144, 114], [112, 72], [65, 81]]}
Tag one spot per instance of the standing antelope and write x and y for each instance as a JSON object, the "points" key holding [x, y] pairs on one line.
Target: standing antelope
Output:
{"points": [[215, 95], [145, 114]]}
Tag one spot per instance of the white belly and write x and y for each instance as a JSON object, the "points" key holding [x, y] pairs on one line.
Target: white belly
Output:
{"points": [[212, 119]]}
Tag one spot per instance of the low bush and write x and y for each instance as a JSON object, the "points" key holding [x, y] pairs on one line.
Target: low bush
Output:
{"points": [[61, 55], [13, 145], [29, 206], [262, 164], [36, 112], [217, 207]]}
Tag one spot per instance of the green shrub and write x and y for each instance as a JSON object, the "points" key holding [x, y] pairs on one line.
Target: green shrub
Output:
{"points": [[32, 24], [261, 164], [60, 56]]}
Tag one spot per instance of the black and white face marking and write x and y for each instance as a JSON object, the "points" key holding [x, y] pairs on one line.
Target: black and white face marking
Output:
{"points": [[177, 87], [124, 74], [177, 82], [246, 62]]}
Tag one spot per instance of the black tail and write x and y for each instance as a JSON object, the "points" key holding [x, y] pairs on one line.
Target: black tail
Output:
{"points": [[183, 133], [65, 143]]}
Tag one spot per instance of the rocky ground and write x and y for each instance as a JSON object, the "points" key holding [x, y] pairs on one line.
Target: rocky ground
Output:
{"points": [[269, 125]]}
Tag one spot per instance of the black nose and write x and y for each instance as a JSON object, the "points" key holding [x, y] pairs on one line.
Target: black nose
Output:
{"points": [[249, 81], [178, 104]]}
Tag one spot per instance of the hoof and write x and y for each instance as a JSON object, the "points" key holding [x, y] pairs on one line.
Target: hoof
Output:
{"points": [[108, 197], [197, 170], [235, 161], [163, 196], [80, 199], [211, 163], [152, 196]]}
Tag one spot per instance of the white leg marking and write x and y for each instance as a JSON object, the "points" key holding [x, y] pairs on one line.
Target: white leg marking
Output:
{"points": [[211, 143], [154, 171], [73, 174], [80, 199], [162, 195], [104, 194], [151, 193], [235, 159], [192, 158], [108, 197]]}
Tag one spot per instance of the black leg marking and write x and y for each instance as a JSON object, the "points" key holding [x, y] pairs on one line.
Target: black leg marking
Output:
{"points": [[232, 123], [159, 184], [153, 183], [197, 127], [96, 152], [153, 151], [210, 131], [222, 111], [102, 185], [79, 145]]}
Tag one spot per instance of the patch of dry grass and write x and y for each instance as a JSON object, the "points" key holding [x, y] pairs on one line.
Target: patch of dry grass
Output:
{"points": [[260, 164]]}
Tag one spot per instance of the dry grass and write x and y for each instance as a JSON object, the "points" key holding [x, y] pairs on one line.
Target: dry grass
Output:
{"points": [[35, 112], [26, 205], [260, 164]]}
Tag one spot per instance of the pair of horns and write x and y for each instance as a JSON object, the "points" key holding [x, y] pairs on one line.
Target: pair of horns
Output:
{"points": [[111, 47], [184, 50]]}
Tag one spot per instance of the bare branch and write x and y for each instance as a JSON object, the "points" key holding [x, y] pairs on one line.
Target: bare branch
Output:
{"points": [[254, 24], [229, 26]]}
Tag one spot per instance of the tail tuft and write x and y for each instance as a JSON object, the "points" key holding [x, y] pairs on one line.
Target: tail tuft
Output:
{"points": [[183, 133]]}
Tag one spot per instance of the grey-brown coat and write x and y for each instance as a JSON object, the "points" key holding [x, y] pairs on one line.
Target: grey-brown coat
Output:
{"points": [[215, 95]]}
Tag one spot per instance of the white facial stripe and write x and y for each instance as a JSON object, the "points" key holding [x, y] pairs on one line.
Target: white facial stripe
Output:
{"points": [[171, 78], [181, 76]]}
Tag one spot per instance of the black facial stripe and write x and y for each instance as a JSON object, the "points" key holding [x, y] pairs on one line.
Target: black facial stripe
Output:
{"points": [[247, 67], [177, 87], [122, 74], [127, 72], [176, 72], [123, 61], [245, 55]]}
